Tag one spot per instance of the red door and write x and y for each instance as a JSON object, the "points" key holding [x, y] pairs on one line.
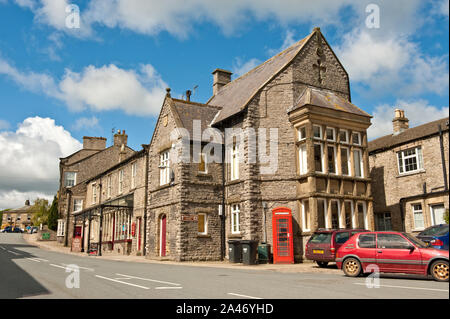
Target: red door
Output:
{"points": [[283, 244], [162, 248]]}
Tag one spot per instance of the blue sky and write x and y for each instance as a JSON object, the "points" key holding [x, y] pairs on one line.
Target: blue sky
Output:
{"points": [[50, 74]]}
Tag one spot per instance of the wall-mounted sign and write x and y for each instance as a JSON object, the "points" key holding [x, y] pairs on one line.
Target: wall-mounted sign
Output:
{"points": [[189, 217]]}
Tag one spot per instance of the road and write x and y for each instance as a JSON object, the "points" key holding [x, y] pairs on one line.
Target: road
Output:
{"points": [[29, 272]]}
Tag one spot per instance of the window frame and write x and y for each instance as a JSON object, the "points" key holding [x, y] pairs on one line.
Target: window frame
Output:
{"points": [[109, 186], [334, 159], [205, 223], [133, 175], [361, 162], [94, 193], [334, 134], [320, 130], [414, 212], [306, 219], [235, 211], [300, 137], [359, 138], [401, 157], [74, 206], [322, 154], [349, 163], [164, 167], [203, 158], [234, 161], [347, 141], [74, 179], [302, 161], [366, 222], [121, 176]]}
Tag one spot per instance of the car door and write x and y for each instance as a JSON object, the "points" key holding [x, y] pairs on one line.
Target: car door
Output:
{"points": [[367, 249], [394, 254]]}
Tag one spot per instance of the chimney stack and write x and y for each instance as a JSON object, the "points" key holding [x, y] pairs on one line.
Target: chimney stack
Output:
{"points": [[400, 123], [188, 95], [120, 138], [94, 143], [220, 79]]}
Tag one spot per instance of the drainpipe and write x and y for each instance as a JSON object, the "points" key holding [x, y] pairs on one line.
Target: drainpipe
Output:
{"points": [[222, 217], [144, 249], [441, 141], [89, 233], [83, 234], [66, 234]]}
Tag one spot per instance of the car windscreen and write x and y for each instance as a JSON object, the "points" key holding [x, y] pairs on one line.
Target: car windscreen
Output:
{"points": [[321, 238], [435, 231], [416, 241]]}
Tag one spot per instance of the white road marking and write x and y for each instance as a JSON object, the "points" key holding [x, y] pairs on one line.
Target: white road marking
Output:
{"points": [[153, 280], [238, 295], [418, 288], [12, 252], [41, 259], [169, 288], [122, 282], [85, 268], [34, 259], [58, 266]]}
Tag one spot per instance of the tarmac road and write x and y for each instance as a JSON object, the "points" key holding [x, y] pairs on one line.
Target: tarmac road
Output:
{"points": [[29, 272]]}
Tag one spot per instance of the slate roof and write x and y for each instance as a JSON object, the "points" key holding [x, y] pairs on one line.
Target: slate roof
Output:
{"points": [[188, 111], [326, 99], [409, 135], [235, 96], [20, 210]]}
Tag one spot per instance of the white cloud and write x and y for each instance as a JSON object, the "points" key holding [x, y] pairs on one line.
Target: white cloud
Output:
{"points": [[16, 199], [29, 158], [392, 64], [418, 112], [85, 123], [4, 125], [100, 89], [240, 67]]}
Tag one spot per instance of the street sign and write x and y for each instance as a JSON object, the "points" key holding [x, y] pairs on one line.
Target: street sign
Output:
{"points": [[189, 217], [46, 236]]}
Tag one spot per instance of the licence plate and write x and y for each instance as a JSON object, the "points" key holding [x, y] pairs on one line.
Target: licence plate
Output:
{"points": [[317, 251]]}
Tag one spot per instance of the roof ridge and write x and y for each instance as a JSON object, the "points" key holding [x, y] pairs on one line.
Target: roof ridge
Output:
{"points": [[197, 103]]}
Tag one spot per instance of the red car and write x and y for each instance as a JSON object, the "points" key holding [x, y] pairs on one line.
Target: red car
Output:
{"points": [[324, 243], [391, 252]]}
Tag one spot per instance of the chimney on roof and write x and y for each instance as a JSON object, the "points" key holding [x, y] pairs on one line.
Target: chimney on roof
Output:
{"points": [[120, 138], [188, 95], [220, 79], [94, 143], [400, 122], [27, 202]]}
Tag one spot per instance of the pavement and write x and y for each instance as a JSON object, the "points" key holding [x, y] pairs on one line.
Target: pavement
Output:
{"points": [[28, 271], [307, 266]]}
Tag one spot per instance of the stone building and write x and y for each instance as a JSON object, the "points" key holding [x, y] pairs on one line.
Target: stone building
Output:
{"points": [[298, 102], [18, 217], [113, 217], [75, 169], [409, 170]]}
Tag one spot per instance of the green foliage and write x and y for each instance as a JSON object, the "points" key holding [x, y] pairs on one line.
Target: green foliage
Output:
{"points": [[40, 211], [446, 216], [52, 220], [1, 215]]}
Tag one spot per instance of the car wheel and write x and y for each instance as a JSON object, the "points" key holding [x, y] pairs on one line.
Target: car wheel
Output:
{"points": [[351, 267], [322, 264], [439, 270]]}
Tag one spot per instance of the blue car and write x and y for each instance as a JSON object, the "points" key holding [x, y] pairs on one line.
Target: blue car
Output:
{"points": [[436, 236]]}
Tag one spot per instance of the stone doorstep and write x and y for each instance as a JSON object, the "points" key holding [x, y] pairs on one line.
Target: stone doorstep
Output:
{"points": [[300, 267]]}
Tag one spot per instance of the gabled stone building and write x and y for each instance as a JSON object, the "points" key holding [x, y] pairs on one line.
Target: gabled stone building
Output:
{"points": [[298, 105], [75, 169], [409, 170], [18, 217]]}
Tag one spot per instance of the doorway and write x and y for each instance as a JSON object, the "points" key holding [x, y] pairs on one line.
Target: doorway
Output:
{"points": [[162, 235], [283, 243]]}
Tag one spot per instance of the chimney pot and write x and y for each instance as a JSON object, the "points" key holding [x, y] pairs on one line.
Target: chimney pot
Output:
{"points": [[220, 79], [400, 123], [188, 95]]}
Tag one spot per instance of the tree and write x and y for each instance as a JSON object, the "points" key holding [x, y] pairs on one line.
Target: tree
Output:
{"points": [[446, 216], [40, 212], [52, 221]]}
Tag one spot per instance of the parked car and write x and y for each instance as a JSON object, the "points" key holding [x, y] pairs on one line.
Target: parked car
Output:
{"points": [[324, 243], [436, 236], [391, 252]]}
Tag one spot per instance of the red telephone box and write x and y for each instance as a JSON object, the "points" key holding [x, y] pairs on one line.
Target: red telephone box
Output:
{"points": [[283, 241]]}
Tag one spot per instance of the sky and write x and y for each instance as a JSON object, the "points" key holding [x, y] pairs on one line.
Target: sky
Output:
{"points": [[59, 83]]}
